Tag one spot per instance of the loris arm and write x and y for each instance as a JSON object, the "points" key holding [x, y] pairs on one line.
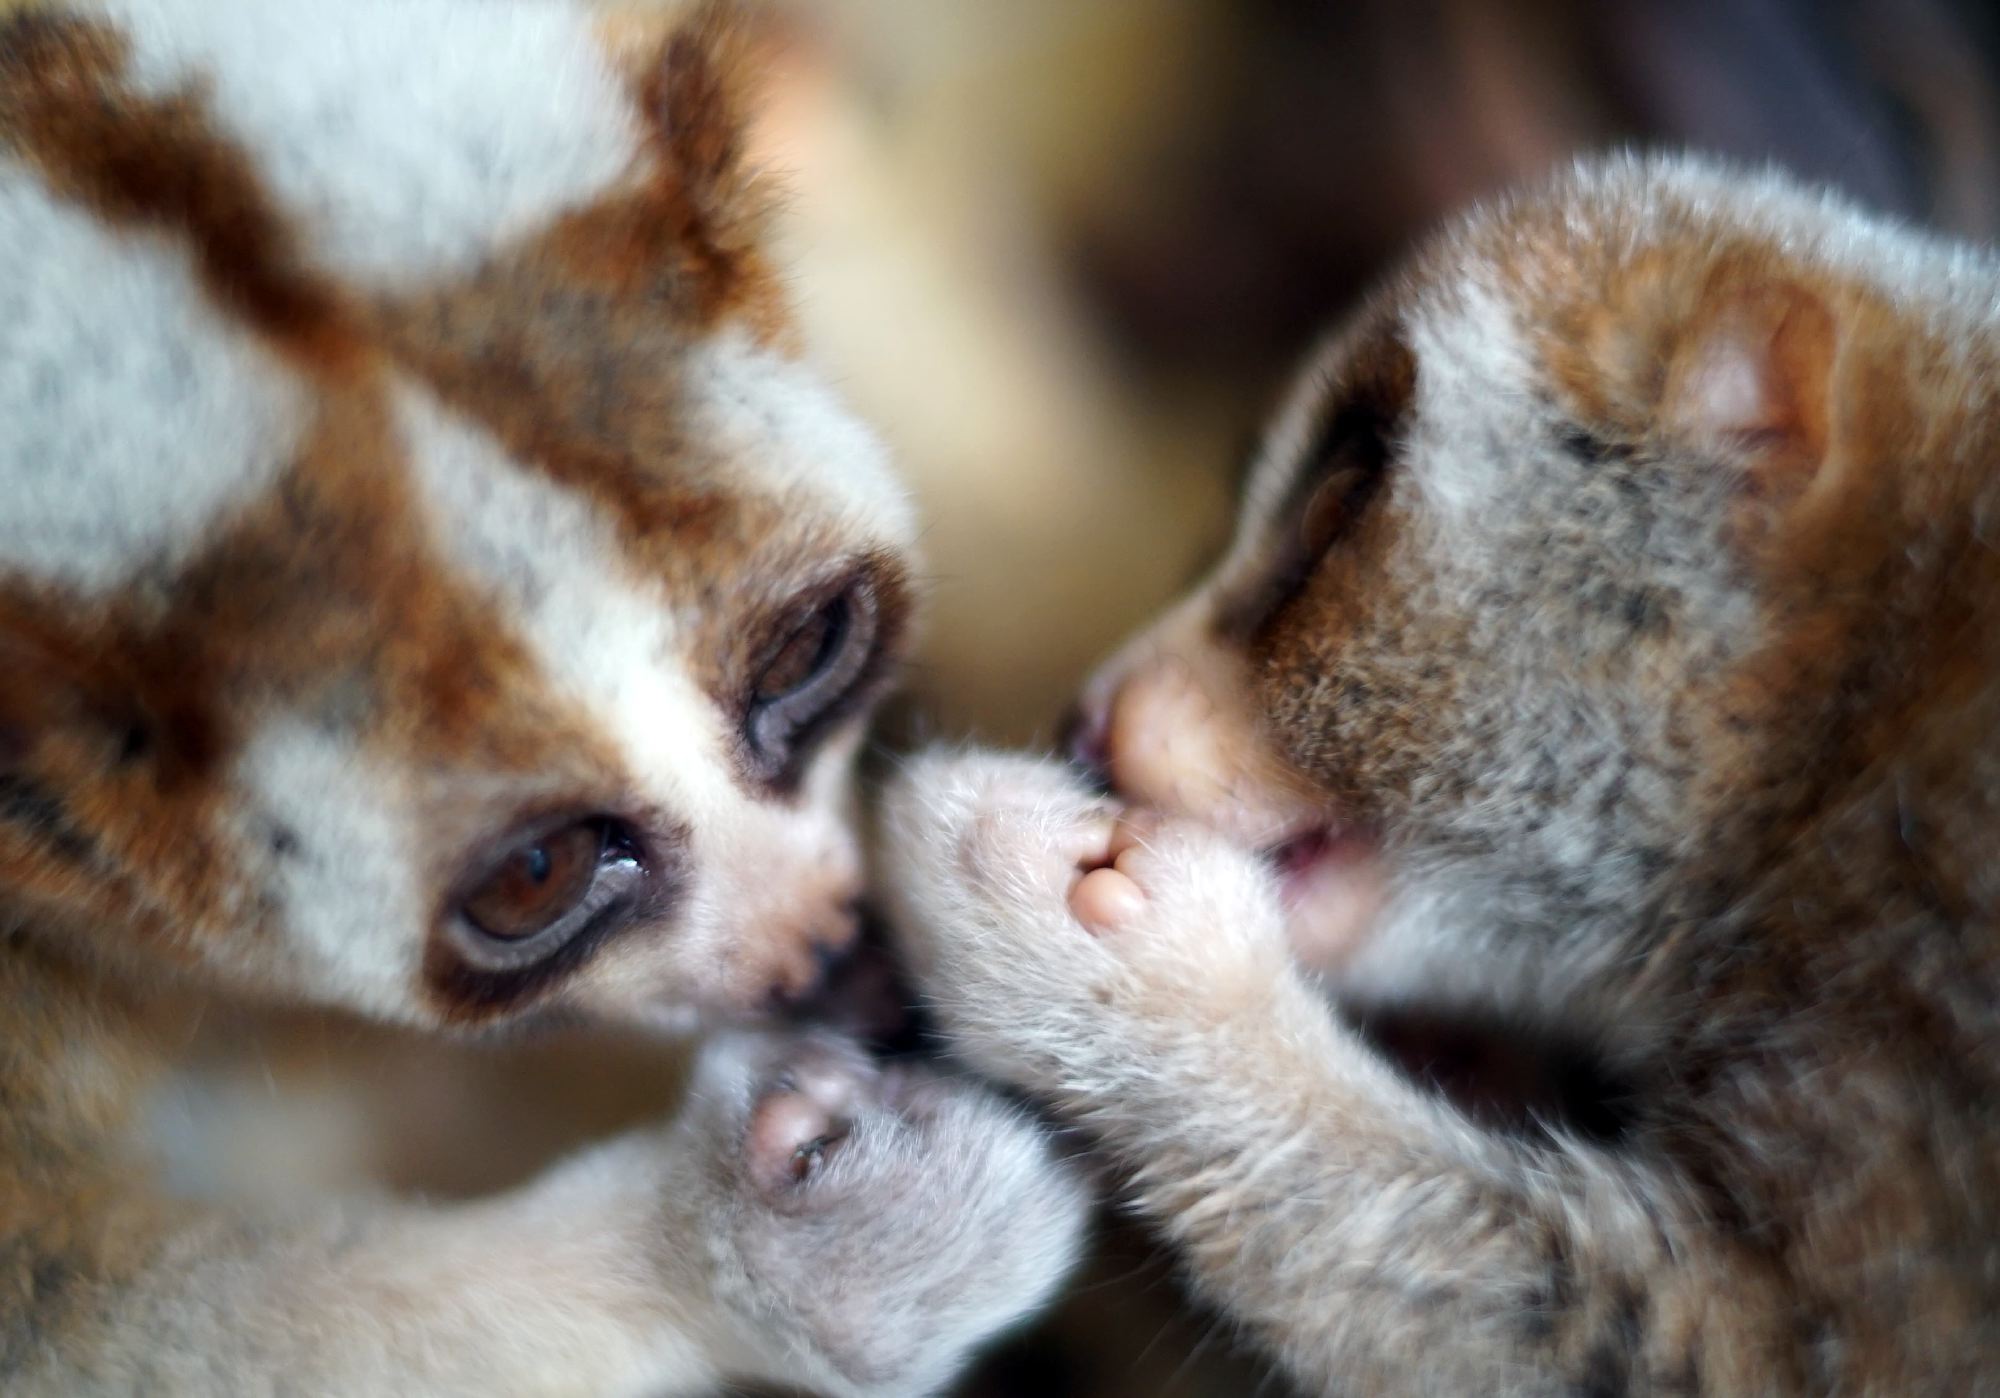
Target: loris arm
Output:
{"points": [[809, 1221], [1375, 1240], [572, 1285]]}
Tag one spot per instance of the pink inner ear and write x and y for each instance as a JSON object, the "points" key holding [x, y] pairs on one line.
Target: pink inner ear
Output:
{"points": [[1730, 387], [1754, 373]]}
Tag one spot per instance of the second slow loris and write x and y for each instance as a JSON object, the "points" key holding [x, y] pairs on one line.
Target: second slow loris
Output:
{"points": [[1608, 650]]}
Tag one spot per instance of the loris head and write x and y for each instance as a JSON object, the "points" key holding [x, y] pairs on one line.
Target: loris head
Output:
{"points": [[1615, 534], [429, 580]]}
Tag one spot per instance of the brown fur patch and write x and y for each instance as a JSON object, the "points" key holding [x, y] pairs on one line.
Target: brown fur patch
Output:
{"points": [[578, 381], [326, 601], [702, 211], [696, 99], [145, 162], [569, 347]]}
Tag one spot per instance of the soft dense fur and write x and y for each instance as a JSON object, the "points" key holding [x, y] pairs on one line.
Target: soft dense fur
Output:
{"points": [[1608, 655], [409, 475]]}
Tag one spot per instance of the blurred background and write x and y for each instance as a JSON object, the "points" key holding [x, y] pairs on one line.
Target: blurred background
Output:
{"points": [[1061, 252]]}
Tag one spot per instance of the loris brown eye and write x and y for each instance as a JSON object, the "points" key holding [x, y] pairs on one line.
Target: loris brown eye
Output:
{"points": [[550, 885], [815, 670], [804, 655], [1326, 504], [536, 884]]}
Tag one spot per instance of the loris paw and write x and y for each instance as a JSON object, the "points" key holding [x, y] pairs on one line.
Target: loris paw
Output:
{"points": [[979, 854], [1014, 826], [881, 1221], [803, 1113], [1045, 938], [1189, 912]]}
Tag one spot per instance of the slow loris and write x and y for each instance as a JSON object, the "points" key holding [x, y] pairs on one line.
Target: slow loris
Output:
{"points": [[1605, 677], [434, 586]]}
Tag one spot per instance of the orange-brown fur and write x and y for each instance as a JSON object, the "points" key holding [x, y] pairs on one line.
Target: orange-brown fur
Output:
{"points": [[254, 613]]}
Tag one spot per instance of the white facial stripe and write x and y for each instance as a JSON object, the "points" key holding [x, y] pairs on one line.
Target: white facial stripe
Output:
{"points": [[775, 421], [136, 417], [349, 892], [605, 641], [406, 138], [1473, 374]]}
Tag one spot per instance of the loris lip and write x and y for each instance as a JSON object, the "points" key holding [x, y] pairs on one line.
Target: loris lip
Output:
{"points": [[1332, 882]]}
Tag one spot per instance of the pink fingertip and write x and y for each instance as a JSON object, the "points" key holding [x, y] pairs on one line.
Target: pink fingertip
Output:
{"points": [[1106, 899]]}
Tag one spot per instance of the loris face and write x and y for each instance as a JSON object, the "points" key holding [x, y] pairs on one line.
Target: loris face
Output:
{"points": [[429, 580], [1550, 574]]}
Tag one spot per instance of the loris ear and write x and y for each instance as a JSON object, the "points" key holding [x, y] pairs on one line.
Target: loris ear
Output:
{"points": [[1751, 374], [698, 98], [692, 72], [691, 69], [1735, 358]]}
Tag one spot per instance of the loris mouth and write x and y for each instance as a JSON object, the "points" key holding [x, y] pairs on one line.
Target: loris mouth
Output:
{"points": [[866, 993], [1332, 882], [1302, 857]]}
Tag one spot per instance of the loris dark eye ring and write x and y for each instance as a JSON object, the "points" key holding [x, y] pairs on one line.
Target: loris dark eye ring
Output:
{"points": [[549, 886], [809, 677]]}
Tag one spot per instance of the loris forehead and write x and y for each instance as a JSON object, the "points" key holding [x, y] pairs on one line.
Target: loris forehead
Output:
{"points": [[389, 372], [240, 207]]}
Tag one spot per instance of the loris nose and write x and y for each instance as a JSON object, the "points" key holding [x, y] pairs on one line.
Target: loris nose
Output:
{"points": [[1084, 738], [1159, 738], [806, 974]]}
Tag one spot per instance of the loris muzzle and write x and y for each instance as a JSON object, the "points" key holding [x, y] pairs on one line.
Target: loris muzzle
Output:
{"points": [[429, 578]]}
